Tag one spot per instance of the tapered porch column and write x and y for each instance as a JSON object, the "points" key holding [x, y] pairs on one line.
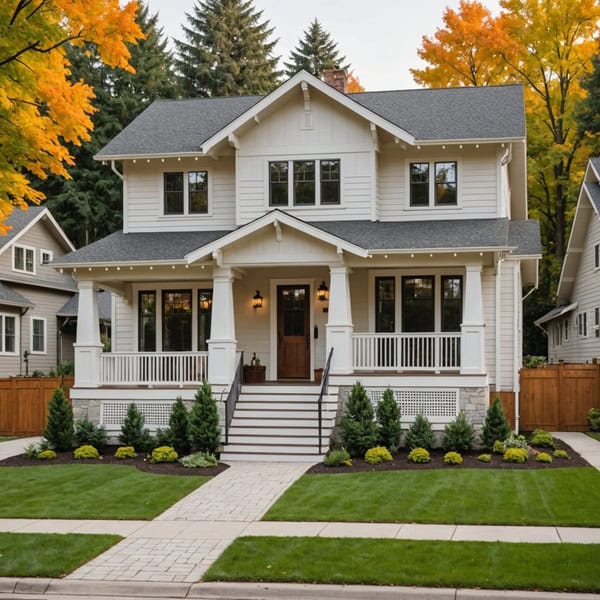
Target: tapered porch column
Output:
{"points": [[472, 328], [222, 344], [339, 323], [87, 347]]}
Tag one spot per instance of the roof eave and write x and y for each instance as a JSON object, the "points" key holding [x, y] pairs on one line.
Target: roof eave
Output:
{"points": [[495, 140], [142, 156]]}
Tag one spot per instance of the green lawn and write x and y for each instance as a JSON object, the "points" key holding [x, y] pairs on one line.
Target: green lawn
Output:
{"points": [[48, 554], [593, 434], [89, 492], [564, 567], [470, 496]]}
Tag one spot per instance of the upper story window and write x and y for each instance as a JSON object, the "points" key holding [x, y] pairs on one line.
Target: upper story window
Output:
{"points": [[46, 256], [439, 190], [597, 256], [23, 259], [304, 182], [185, 193], [38, 335], [582, 324]]}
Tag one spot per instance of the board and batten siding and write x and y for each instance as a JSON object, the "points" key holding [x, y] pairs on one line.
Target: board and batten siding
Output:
{"points": [[144, 203], [478, 183], [330, 132]]}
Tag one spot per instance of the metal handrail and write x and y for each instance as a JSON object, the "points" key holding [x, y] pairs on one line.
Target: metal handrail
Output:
{"points": [[233, 395], [324, 390]]}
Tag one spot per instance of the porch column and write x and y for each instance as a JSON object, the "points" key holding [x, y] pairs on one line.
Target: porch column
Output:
{"points": [[472, 327], [87, 347], [339, 323], [222, 344]]}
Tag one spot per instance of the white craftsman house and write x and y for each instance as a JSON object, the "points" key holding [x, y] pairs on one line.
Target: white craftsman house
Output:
{"points": [[573, 327], [385, 232]]}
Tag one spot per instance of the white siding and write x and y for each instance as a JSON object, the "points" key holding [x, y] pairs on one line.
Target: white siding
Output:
{"points": [[507, 318], [144, 204], [488, 290], [122, 328], [477, 184]]}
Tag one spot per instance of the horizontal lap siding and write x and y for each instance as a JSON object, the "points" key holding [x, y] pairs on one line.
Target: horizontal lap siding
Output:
{"points": [[123, 327], [507, 316], [488, 289]]}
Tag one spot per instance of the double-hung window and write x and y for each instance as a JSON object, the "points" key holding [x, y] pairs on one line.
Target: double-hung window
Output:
{"points": [[46, 256], [278, 183], [304, 182], [24, 259], [597, 321], [185, 193], [433, 184], [582, 324], [38, 335], [597, 256], [8, 334], [330, 181]]}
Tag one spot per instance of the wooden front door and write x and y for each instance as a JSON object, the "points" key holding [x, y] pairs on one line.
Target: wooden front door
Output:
{"points": [[293, 332]]}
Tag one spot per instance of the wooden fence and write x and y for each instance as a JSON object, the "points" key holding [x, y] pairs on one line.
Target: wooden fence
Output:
{"points": [[24, 403], [558, 397]]}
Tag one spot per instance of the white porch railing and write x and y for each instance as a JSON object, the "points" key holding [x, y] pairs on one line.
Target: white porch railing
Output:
{"points": [[406, 351], [153, 368]]}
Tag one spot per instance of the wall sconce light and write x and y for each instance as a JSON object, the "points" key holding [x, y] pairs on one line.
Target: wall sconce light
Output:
{"points": [[257, 300], [205, 302], [323, 292]]}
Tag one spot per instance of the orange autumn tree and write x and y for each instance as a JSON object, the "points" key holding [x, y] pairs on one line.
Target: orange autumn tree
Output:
{"points": [[353, 84], [41, 110]]}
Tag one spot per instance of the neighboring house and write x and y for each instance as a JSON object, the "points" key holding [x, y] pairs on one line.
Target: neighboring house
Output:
{"points": [[32, 293], [387, 227], [573, 327]]}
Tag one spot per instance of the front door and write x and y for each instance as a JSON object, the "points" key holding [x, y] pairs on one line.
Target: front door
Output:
{"points": [[293, 332]]}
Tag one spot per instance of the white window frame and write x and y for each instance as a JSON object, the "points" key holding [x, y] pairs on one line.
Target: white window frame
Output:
{"points": [[290, 204], [44, 321], [50, 256], [186, 196], [597, 321], [2, 337], [432, 162], [25, 250], [582, 329]]}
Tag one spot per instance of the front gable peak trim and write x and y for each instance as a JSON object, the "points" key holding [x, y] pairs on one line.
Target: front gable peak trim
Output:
{"points": [[303, 78]]}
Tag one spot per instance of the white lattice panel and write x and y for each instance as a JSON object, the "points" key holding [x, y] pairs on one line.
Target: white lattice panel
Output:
{"points": [[156, 414], [439, 406]]}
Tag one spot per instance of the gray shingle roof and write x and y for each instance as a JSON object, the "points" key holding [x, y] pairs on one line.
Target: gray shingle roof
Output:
{"points": [[464, 234], [487, 112], [104, 306], [595, 160], [18, 220], [11, 297], [593, 190]]}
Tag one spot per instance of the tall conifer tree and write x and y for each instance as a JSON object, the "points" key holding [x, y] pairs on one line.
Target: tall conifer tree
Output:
{"points": [[228, 51]]}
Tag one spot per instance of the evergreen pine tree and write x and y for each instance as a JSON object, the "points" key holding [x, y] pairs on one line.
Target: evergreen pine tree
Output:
{"points": [[458, 435], [420, 434], [388, 419], [59, 426], [179, 435], [205, 432], [227, 51], [358, 429], [88, 206], [496, 425], [133, 432], [315, 53]]}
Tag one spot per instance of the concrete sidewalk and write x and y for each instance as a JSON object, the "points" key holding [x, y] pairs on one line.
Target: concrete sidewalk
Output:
{"points": [[16, 447], [583, 444]]}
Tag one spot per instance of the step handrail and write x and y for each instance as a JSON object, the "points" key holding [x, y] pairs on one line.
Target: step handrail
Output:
{"points": [[324, 390], [233, 395]]}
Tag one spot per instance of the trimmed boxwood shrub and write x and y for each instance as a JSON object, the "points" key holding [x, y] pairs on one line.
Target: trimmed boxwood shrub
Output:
{"points": [[542, 438], [543, 457], [419, 455], [561, 454], [46, 455], [86, 452], [164, 454], [420, 434], [452, 458], [377, 455], [485, 458], [125, 452], [515, 455], [498, 447]]}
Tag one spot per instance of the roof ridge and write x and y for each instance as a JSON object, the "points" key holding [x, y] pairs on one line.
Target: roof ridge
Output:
{"points": [[436, 89]]}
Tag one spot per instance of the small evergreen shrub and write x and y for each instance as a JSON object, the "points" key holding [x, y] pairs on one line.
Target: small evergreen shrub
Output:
{"points": [[420, 434], [88, 433], [516, 441], [204, 429], [124, 452], [485, 458], [164, 454], [85, 452], [561, 454], [542, 438], [593, 418], [32, 450], [162, 437], [419, 455], [179, 433], [459, 435], [515, 455], [133, 432], [498, 447], [59, 427], [496, 425], [199, 460], [358, 429], [543, 457], [46, 455], [338, 457], [388, 421], [377, 455], [453, 458]]}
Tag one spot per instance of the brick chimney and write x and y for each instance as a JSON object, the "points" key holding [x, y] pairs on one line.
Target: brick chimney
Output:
{"points": [[337, 78]]}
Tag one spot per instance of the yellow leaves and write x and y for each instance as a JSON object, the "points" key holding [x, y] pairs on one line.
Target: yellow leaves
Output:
{"points": [[40, 108]]}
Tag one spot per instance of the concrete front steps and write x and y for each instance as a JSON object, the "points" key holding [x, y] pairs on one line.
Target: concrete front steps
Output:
{"points": [[280, 423]]}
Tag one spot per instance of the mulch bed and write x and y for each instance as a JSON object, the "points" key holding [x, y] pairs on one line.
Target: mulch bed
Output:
{"points": [[401, 463], [140, 462]]}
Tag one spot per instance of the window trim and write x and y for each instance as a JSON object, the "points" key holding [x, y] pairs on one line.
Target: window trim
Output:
{"points": [[25, 249], [582, 328], [597, 257], [186, 195], [597, 321], [45, 322], [50, 255], [432, 191], [3, 333]]}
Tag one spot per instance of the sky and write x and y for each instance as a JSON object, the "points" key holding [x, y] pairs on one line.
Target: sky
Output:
{"points": [[379, 38]]}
